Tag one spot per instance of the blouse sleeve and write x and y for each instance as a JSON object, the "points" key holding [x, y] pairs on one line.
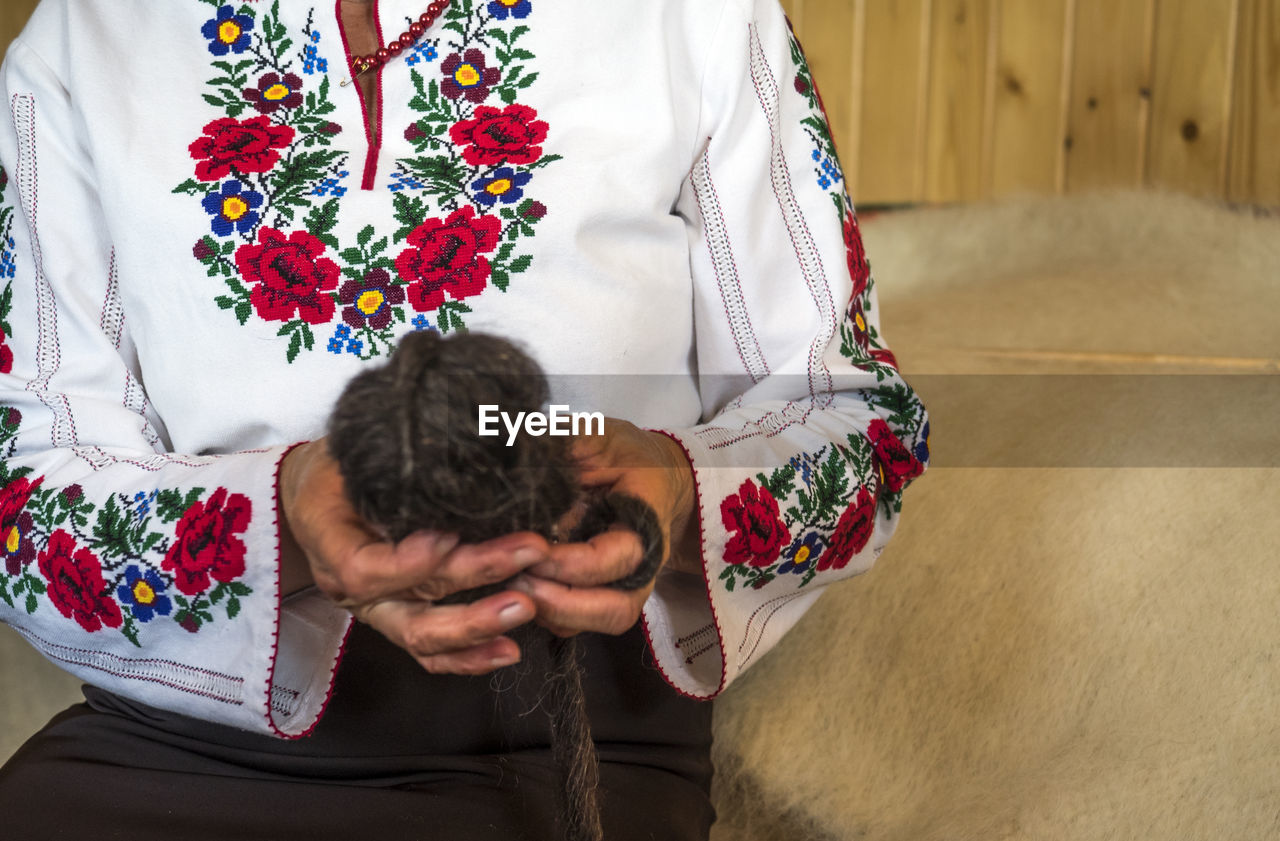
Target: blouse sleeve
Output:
{"points": [[149, 573], [810, 433]]}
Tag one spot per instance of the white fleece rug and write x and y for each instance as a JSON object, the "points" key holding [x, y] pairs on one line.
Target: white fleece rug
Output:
{"points": [[1051, 652]]}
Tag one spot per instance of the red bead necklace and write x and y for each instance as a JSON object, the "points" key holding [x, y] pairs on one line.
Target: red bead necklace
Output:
{"points": [[362, 64]]}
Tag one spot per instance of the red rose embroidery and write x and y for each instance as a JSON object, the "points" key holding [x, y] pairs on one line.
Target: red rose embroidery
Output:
{"points": [[884, 356], [495, 137], [13, 498], [291, 276], [15, 524], [897, 464], [759, 534], [76, 587], [6, 355], [859, 268], [245, 146], [853, 530], [207, 544], [447, 257]]}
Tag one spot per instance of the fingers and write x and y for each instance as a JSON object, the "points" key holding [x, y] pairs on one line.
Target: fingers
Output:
{"points": [[605, 558], [567, 610], [454, 639], [353, 564], [481, 564]]}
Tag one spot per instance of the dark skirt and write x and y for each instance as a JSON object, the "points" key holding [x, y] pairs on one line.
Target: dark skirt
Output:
{"points": [[400, 755]]}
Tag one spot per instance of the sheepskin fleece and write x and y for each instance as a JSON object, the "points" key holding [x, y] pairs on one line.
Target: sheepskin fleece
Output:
{"points": [[1084, 652]]}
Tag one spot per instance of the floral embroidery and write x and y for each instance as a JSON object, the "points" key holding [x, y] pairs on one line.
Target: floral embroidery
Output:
{"points": [[228, 31], [93, 562], [233, 208], [757, 530], [275, 92], [816, 512], [16, 525], [371, 300], [803, 554], [476, 149], [859, 339], [467, 75], [312, 63], [461, 201], [852, 532], [249, 146], [289, 275], [504, 185], [144, 594], [8, 268], [509, 136], [75, 584], [421, 51], [448, 256], [898, 465], [206, 545], [515, 8]]}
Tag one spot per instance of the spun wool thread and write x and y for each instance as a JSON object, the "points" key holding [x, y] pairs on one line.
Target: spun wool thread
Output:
{"points": [[406, 439]]}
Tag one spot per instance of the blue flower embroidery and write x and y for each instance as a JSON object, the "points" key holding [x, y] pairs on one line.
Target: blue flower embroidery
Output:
{"points": [[505, 184], [404, 181], [311, 60], [802, 555], [338, 342], [228, 32], [422, 51], [8, 266], [144, 502], [500, 9], [233, 208], [144, 594], [922, 447], [332, 186]]}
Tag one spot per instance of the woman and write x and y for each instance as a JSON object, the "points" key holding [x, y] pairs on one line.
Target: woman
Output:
{"points": [[217, 214]]}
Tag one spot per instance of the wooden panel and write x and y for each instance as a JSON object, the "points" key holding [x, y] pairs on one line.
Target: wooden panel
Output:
{"points": [[830, 46], [1191, 95], [895, 75], [1255, 133], [13, 16], [959, 83], [1028, 121], [1109, 110]]}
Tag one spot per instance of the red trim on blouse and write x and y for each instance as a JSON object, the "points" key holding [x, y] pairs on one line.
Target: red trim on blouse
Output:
{"points": [[275, 630], [373, 139], [706, 581]]}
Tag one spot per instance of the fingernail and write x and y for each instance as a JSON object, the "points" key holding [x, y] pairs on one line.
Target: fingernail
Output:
{"points": [[499, 662], [527, 555], [515, 613], [522, 584], [445, 543]]}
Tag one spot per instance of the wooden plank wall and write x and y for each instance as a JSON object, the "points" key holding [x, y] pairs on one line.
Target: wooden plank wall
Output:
{"points": [[954, 100]]}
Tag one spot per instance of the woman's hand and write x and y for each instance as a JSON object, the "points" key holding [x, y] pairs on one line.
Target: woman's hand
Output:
{"points": [[569, 587], [392, 586]]}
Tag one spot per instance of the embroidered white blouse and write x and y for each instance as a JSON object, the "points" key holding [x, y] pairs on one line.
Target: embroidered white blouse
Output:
{"points": [[202, 242]]}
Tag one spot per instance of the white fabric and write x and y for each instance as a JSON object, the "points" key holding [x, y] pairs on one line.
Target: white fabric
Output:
{"points": [[684, 239]]}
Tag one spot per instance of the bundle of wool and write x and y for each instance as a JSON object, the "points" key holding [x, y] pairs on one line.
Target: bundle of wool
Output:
{"points": [[407, 441]]}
